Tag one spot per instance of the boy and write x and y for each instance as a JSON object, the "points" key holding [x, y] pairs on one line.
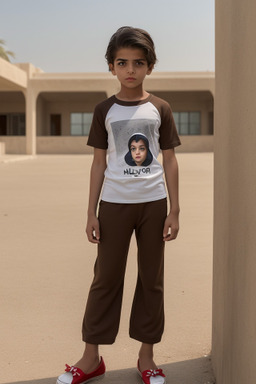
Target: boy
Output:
{"points": [[131, 200]]}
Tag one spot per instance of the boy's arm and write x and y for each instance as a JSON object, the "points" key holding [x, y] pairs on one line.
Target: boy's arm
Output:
{"points": [[170, 166], [98, 167]]}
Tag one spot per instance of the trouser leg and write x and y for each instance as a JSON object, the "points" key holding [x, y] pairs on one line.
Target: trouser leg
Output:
{"points": [[102, 315], [147, 316]]}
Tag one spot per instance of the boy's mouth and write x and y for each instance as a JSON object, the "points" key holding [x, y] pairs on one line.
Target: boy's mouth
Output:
{"points": [[130, 78]]}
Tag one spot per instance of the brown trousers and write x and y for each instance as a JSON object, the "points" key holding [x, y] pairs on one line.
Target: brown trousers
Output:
{"points": [[103, 309]]}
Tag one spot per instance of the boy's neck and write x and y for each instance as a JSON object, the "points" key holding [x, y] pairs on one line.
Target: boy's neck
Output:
{"points": [[132, 94]]}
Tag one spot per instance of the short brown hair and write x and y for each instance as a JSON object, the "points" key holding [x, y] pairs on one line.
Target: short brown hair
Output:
{"points": [[131, 37]]}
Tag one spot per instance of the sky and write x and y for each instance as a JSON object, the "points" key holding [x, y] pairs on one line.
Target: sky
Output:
{"points": [[72, 35]]}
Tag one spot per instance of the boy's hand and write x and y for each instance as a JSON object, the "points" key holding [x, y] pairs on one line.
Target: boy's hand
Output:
{"points": [[171, 227], [93, 230]]}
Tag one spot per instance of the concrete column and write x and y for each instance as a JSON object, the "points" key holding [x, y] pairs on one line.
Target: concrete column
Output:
{"points": [[234, 268], [31, 97]]}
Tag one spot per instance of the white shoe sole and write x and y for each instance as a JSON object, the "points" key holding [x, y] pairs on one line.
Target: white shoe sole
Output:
{"points": [[165, 381], [84, 382]]}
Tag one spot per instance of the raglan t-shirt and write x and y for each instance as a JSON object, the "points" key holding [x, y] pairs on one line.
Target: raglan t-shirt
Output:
{"points": [[116, 127]]}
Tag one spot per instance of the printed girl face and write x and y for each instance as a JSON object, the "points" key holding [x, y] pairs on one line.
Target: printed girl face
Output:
{"points": [[138, 151]]}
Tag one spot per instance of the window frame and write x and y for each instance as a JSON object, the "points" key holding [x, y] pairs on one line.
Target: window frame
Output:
{"points": [[84, 124], [177, 115]]}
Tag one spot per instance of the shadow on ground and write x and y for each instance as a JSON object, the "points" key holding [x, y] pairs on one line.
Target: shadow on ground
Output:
{"points": [[196, 371]]}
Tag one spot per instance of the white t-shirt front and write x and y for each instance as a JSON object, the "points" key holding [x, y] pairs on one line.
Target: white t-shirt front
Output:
{"points": [[132, 175]]}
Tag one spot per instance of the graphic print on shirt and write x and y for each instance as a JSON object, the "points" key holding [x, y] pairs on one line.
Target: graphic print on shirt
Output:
{"points": [[133, 142]]}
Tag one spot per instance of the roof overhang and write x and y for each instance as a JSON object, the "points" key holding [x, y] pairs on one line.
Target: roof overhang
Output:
{"points": [[12, 78]]}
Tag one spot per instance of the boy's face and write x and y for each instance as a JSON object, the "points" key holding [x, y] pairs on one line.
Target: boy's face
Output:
{"points": [[130, 66]]}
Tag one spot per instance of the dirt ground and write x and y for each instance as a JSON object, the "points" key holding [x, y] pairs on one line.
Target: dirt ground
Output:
{"points": [[47, 265]]}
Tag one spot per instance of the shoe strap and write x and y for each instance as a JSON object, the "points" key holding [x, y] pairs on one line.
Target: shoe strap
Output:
{"points": [[153, 373], [74, 370]]}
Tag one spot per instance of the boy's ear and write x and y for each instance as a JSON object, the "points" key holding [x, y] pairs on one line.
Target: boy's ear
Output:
{"points": [[111, 68], [150, 69]]}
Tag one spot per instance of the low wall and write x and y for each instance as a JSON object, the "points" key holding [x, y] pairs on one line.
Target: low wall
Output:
{"points": [[14, 145], [203, 143], [62, 145], [77, 145], [2, 148]]}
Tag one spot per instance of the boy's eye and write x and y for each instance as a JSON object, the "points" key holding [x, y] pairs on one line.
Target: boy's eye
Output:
{"points": [[139, 63], [121, 63]]}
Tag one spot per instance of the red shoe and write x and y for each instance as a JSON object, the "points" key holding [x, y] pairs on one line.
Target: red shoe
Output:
{"points": [[152, 376], [75, 375]]}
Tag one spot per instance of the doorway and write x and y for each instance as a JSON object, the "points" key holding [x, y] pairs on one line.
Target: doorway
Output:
{"points": [[55, 125], [3, 125]]}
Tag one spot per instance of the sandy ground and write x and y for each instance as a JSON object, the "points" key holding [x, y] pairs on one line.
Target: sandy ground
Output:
{"points": [[46, 270]]}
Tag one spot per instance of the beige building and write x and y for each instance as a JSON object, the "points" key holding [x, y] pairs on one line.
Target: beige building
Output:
{"points": [[51, 112]]}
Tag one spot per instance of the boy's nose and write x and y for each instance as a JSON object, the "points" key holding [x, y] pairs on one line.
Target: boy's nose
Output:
{"points": [[130, 69]]}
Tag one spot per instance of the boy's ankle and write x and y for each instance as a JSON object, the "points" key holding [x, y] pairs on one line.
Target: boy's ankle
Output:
{"points": [[88, 363]]}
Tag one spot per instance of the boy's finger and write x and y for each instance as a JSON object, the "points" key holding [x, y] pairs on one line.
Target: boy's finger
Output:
{"points": [[96, 234], [166, 231], [174, 234]]}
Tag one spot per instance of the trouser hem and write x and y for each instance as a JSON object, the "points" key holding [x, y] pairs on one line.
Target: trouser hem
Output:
{"points": [[98, 341], [145, 339]]}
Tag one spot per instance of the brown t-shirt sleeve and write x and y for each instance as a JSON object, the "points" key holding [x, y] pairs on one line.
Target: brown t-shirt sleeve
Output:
{"points": [[98, 136], [168, 132]]}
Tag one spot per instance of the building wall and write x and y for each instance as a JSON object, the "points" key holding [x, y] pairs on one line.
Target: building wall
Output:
{"points": [[39, 95], [12, 102], [41, 117], [64, 104], [234, 269], [188, 101], [14, 144]]}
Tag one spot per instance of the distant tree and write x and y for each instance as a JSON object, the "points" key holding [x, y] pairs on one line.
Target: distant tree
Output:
{"points": [[5, 54]]}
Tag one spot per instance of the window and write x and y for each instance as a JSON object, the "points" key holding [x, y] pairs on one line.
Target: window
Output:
{"points": [[188, 123], [80, 123], [12, 124]]}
